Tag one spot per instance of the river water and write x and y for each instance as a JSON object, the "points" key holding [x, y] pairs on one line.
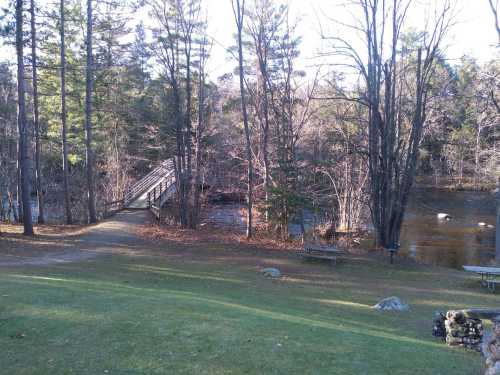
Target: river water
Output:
{"points": [[425, 238], [53, 213], [454, 242]]}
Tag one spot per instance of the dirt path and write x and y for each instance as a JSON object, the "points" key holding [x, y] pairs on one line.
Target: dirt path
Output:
{"points": [[114, 235]]}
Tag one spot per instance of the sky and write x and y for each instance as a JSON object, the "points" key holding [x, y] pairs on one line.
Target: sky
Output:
{"points": [[473, 33]]}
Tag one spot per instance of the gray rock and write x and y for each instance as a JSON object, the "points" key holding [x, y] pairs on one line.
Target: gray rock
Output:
{"points": [[391, 304], [271, 272], [443, 216]]}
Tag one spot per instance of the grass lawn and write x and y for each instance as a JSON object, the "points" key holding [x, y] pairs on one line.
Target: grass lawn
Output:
{"points": [[205, 309]]}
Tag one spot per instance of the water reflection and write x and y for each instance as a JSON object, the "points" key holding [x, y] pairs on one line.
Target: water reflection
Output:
{"points": [[454, 242], [53, 212]]}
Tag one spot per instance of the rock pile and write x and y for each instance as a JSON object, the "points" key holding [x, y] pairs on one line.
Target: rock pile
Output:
{"points": [[462, 330], [458, 329], [491, 349], [439, 328]]}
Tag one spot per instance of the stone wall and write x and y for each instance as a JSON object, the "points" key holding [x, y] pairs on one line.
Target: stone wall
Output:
{"points": [[491, 349], [458, 329]]}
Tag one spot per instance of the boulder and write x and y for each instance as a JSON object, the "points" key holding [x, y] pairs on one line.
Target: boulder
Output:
{"points": [[443, 216], [271, 272], [391, 304]]}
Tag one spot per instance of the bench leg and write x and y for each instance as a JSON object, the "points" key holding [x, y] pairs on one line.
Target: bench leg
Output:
{"points": [[491, 286]]}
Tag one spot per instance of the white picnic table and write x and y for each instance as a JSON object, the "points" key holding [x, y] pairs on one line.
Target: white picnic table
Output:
{"points": [[488, 275]]}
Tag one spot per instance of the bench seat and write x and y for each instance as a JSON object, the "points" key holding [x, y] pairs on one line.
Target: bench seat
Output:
{"points": [[321, 252]]}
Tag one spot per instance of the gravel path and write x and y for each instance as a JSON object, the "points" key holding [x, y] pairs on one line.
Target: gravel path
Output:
{"points": [[114, 235]]}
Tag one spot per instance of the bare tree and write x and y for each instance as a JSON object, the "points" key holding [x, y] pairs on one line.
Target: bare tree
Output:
{"points": [[22, 123], [202, 124], [177, 21], [164, 13], [239, 14], [494, 10], [188, 12], [264, 23], [394, 125]]}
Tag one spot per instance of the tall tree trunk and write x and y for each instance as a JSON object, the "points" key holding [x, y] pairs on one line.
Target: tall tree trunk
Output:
{"points": [[199, 134], [477, 152], [36, 121], [22, 123], [88, 118], [497, 236], [239, 12], [265, 144], [19, 194], [67, 207], [189, 164]]}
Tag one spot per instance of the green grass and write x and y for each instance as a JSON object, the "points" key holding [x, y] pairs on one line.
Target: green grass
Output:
{"points": [[169, 315]]}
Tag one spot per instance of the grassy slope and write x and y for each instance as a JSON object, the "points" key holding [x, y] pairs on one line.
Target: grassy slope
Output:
{"points": [[202, 315]]}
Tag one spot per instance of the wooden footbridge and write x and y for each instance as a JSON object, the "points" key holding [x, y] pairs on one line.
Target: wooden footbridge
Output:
{"points": [[150, 192]]}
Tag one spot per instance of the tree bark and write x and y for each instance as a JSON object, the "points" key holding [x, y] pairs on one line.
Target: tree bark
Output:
{"points": [[88, 119], [497, 236], [189, 164], [67, 207], [19, 194], [36, 120], [22, 123], [199, 133]]}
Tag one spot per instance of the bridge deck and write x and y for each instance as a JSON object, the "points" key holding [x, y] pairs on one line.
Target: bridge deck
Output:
{"points": [[139, 202], [161, 176]]}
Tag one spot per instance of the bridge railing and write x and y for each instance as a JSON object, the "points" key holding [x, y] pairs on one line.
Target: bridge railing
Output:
{"points": [[110, 208], [146, 182], [160, 193]]}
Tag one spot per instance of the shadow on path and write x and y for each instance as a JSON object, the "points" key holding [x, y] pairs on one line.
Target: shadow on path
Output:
{"points": [[114, 235]]}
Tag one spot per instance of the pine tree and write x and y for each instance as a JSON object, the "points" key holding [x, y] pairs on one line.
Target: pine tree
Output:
{"points": [[36, 115], [88, 118], [67, 204], [22, 122]]}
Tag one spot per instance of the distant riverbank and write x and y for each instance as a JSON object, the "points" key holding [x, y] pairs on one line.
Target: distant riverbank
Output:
{"points": [[454, 184]]}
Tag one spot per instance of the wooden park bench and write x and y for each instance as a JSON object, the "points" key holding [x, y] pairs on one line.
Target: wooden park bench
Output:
{"points": [[321, 252], [489, 275]]}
